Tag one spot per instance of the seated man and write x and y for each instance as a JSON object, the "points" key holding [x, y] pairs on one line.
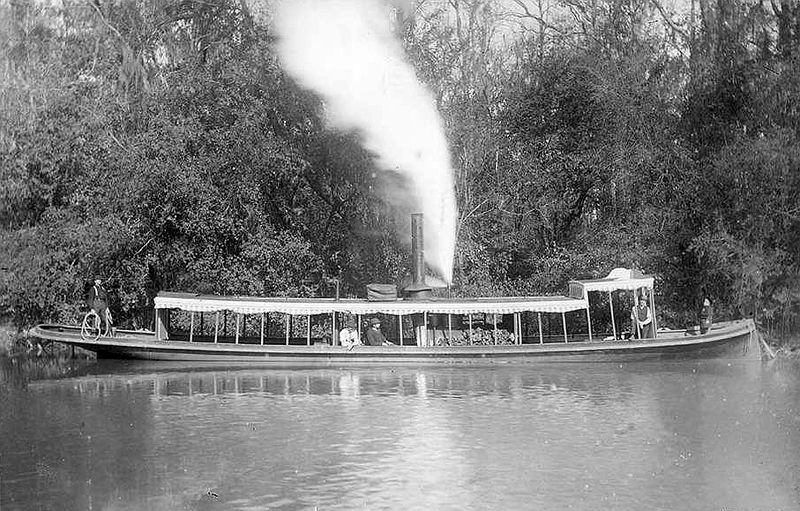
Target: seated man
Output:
{"points": [[374, 335]]}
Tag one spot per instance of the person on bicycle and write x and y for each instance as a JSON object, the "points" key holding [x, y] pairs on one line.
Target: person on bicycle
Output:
{"points": [[98, 301]]}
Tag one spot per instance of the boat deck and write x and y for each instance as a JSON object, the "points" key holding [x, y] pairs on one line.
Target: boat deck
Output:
{"points": [[731, 340]]}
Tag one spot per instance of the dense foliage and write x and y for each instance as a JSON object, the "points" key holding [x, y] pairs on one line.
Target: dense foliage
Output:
{"points": [[158, 144]]}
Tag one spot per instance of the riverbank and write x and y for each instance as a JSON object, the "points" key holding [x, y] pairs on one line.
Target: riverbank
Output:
{"points": [[24, 359], [8, 337], [788, 348], [15, 343]]}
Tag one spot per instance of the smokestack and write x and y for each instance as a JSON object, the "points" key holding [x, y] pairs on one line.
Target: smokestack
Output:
{"points": [[417, 288]]}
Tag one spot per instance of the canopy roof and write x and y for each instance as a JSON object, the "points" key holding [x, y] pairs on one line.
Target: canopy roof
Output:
{"points": [[618, 279], [305, 306]]}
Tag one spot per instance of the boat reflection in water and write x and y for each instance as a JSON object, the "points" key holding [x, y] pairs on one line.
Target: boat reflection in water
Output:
{"points": [[133, 435]]}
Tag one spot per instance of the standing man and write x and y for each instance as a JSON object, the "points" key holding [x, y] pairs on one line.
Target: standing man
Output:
{"points": [[706, 315], [98, 301], [374, 335], [643, 319]]}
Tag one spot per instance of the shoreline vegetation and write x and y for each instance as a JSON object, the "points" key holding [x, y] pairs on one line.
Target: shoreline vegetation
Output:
{"points": [[161, 147], [786, 348], [24, 359]]}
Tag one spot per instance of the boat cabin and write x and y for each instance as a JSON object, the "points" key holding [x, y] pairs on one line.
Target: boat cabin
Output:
{"points": [[307, 321], [405, 322]]}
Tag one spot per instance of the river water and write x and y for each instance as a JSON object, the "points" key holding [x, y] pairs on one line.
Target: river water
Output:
{"points": [[700, 435]]}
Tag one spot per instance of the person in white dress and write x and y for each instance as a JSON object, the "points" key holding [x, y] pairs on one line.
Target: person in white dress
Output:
{"points": [[349, 335]]}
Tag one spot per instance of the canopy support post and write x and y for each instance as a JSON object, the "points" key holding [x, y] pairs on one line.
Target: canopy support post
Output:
{"points": [[611, 307], [216, 327], [237, 328], [564, 323], [308, 330], [425, 328], [653, 313], [494, 318], [541, 336], [288, 327], [359, 327], [589, 320], [470, 328], [262, 328], [191, 327], [449, 328], [333, 328], [400, 326]]}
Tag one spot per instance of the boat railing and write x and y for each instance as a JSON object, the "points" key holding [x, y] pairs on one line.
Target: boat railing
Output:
{"points": [[281, 329]]}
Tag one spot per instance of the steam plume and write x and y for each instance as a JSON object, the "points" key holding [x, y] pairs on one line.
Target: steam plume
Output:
{"points": [[345, 51]]}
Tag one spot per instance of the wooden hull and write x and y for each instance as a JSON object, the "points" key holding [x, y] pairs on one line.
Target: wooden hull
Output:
{"points": [[734, 340]]}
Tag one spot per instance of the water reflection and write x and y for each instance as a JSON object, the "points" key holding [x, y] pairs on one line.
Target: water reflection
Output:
{"points": [[18, 369], [115, 435]]}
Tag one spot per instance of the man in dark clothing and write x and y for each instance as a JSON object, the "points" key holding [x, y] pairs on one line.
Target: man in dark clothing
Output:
{"points": [[706, 315], [643, 319], [374, 335], [98, 301]]}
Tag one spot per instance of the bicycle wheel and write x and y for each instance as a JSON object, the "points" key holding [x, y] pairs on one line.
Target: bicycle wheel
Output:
{"points": [[90, 328]]}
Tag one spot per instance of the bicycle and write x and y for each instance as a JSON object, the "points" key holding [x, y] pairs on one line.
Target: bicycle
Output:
{"points": [[90, 328]]}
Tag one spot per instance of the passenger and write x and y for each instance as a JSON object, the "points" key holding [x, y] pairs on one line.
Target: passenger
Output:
{"points": [[98, 301], [349, 335], [374, 335], [643, 319], [706, 315]]}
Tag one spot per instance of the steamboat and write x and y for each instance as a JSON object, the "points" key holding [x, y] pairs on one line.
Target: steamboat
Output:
{"points": [[422, 329]]}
